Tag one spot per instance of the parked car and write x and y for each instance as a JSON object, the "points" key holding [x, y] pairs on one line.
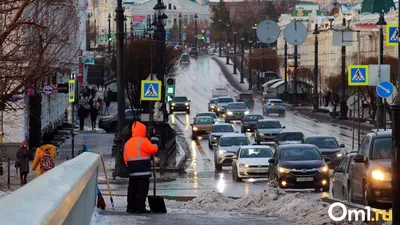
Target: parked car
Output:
{"points": [[249, 122], [370, 173], [236, 111], [180, 103], [218, 92], [222, 102], [212, 105], [185, 59], [299, 166], [210, 114], [193, 51], [217, 130], [274, 106], [201, 125], [340, 179], [227, 148], [110, 123], [267, 130], [247, 98], [251, 162], [289, 137], [328, 146]]}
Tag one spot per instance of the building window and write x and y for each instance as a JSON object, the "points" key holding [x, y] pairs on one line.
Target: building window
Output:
{"points": [[174, 7], [175, 21], [191, 18], [185, 19], [169, 6]]}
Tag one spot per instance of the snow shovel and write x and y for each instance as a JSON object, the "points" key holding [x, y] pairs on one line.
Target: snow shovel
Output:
{"points": [[108, 182], [157, 204]]}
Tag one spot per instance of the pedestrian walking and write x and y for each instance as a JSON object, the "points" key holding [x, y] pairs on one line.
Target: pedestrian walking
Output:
{"points": [[93, 115], [93, 92], [81, 115], [108, 102], [23, 162], [137, 156], [101, 105], [44, 156]]}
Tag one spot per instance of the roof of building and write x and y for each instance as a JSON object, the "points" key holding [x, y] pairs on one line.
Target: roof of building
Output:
{"points": [[376, 6], [302, 12], [306, 3]]}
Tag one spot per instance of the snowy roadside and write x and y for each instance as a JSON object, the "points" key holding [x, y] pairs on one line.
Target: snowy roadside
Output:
{"points": [[235, 77]]}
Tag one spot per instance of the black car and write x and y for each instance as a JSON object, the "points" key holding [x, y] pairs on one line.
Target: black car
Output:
{"points": [[193, 51], [247, 98], [110, 123], [249, 122], [340, 179], [180, 103], [299, 166], [289, 137], [236, 111], [185, 59], [212, 105], [328, 146]]}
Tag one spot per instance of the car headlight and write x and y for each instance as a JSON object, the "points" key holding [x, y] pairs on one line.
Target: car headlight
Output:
{"points": [[283, 170], [221, 152], [195, 128], [324, 169], [261, 134], [230, 113], [339, 155], [219, 109], [381, 175], [212, 106], [214, 138], [173, 104], [187, 103], [242, 165], [247, 112]]}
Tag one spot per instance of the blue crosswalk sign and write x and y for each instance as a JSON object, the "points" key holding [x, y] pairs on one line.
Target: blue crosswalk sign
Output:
{"points": [[151, 90], [392, 34], [384, 89], [358, 75]]}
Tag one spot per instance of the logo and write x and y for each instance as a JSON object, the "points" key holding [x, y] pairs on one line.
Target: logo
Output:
{"points": [[304, 170], [344, 214], [259, 166]]}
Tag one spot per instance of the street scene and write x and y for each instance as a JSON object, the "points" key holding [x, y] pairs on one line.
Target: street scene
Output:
{"points": [[200, 112]]}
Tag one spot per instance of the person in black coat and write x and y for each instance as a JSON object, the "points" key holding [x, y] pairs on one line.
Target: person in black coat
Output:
{"points": [[81, 115], [23, 161], [93, 115]]}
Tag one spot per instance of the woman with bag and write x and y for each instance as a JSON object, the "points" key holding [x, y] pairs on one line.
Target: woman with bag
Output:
{"points": [[44, 155], [23, 161]]}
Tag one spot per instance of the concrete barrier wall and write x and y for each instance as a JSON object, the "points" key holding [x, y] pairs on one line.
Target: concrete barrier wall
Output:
{"points": [[64, 195]]}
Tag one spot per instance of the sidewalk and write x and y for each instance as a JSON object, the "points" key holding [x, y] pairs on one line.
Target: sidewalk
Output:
{"points": [[227, 70]]}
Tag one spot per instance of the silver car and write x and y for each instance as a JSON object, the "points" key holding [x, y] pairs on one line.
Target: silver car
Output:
{"points": [[236, 111], [227, 148], [267, 130], [222, 102], [217, 130]]}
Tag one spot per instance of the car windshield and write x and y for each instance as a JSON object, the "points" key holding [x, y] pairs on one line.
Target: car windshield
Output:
{"points": [[213, 101], [180, 99], [237, 106], [225, 100], [222, 129], [256, 153], [193, 49], [229, 141], [204, 121], [275, 102], [300, 154], [323, 142], [207, 114], [291, 137], [269, 125], [382, 148], [185, 57], [253, 118], [246, 96]]}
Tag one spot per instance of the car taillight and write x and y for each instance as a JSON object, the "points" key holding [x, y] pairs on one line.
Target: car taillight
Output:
{"points": [[252, 97], [238, 97]]}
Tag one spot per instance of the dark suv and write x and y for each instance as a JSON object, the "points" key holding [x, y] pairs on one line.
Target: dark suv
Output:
{"points": [[180, 103], [370, 173], [193, 51], [247, 98]]}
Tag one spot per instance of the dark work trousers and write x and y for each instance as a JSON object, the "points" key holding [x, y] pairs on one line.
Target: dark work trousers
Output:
{"points": [[81, 122], [137, 193]]}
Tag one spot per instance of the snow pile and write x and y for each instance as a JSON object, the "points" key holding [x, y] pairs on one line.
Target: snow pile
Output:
{"points": [[272, 202], [236, 77]]}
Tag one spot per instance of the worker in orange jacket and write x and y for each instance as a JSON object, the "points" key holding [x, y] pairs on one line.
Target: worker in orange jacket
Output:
{"points": [[137, 156]]}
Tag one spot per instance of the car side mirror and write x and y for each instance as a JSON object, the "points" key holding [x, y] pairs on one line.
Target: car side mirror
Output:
{"points": [[234, 157], [338, 170], [359, 158], [328, 160], [284, 127], [271, 161], [189, 100], [341, 145], [191, 124]]}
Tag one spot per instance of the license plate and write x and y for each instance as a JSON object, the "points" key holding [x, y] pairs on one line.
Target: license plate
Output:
{"points": [[258, 171], [304, 179]]}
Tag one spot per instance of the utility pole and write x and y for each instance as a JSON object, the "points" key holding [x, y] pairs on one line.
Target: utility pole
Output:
{"points": [[316, 102], [343, 104], [234, 50], [195, 29], [262, 71], [295, 77], [180, 28], [220, 38], [285, 93], [249, 78], [109, 33], [380, 116], [227, 42], [242, 60], [132, 37]]}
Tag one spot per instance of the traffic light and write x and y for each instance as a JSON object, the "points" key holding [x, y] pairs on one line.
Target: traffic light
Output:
{"points": [[170, 90]]}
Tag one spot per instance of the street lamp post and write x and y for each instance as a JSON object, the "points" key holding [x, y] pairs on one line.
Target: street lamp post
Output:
{"points": [[195, 29], [261, 72], [220, 38], [285, 93], [343, 103], [180, 28], [249, 78], [242, 60], [234, 51], [227, 42], [120, 168], [109, 33], [132, 37], [381, 117], [315, 103]]}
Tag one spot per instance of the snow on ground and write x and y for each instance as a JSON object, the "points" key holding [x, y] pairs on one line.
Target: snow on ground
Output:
{"points": [[273, 202], [3, 193], [245, 85]]}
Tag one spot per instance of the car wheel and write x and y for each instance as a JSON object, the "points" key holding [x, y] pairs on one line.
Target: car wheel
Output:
{"points": [[194, 137], [235, 176], [326, 188], [366, 200], [187, 111], [242, 130], [210, 145], [344, 194], [114, 127], [283, 114], [266, 113], [227, 121], [317, 189], [218, 167], [350, 193]]}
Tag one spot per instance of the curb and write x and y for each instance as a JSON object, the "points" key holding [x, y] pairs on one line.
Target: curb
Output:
{"points": [[174, 198], [228, 75]]}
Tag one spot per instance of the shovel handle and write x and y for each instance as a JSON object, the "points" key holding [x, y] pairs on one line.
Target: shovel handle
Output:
{"points": [[154, 175]]}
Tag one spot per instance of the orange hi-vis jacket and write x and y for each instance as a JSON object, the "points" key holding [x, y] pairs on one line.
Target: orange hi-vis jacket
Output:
{"points": [[137, 152]]}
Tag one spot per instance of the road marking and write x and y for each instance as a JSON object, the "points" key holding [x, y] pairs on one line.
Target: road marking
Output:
{"points": [[200, 148]]}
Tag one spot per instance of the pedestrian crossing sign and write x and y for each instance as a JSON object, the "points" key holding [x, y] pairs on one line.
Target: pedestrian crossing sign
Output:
{"points": [[392, 34], [151, 90], [358, 75]]}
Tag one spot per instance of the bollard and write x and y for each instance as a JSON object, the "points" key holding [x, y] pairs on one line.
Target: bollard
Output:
{"points": [[395, 109]]}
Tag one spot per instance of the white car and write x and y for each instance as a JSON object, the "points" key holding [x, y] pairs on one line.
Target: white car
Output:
{"points": [[251, 162]]}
